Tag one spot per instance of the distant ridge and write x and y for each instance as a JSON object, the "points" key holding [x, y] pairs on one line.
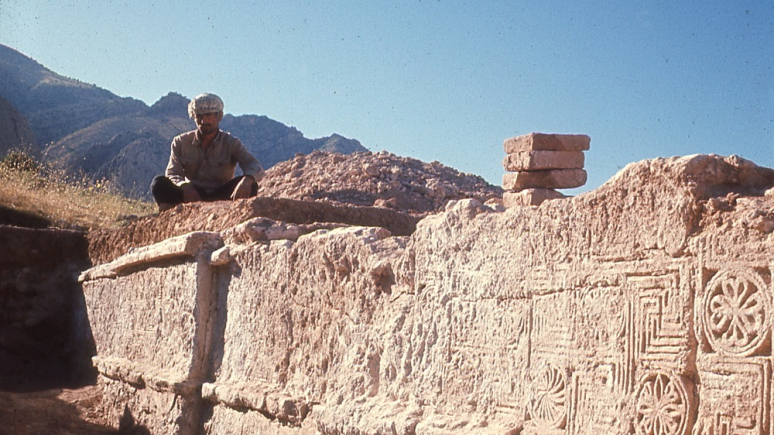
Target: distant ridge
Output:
{"points": [[82, 128], [55, 106]]}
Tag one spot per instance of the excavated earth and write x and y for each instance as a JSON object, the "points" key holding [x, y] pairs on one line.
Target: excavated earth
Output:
{"points": [[374, 179], [371, 189]]}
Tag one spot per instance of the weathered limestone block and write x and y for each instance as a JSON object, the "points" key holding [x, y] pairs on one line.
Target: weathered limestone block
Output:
{"points": [[152, 314], [733, 316], [542, 160], [187, 245], [605, 341], [297, 328], [148, 411], [129, 321], [529, 197], [548, 142], [549, 179]]}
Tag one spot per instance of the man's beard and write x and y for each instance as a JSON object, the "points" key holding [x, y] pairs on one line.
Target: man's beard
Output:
{"points": [[207, 129]]}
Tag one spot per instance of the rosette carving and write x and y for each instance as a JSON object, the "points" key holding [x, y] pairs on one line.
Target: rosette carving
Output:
{"points": [[736, 313]]}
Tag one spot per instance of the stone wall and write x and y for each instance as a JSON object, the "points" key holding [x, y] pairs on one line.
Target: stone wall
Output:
{"points": [[642, 307]]}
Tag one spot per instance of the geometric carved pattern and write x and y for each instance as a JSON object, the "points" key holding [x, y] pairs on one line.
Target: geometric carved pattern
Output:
{"points": [[549, 394], [662, 406], [735, 397], [719, 425], [657, 335], [736, 313]]}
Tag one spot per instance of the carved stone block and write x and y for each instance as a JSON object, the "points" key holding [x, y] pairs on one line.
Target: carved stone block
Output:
{"points": [[735, 396], [528, 197], [549, 179], [542, 160], [543, 141]]}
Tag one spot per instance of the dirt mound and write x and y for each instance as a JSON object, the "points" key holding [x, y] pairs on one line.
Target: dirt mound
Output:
{"points": [[106, 245], [374, 179], [363, 188]]}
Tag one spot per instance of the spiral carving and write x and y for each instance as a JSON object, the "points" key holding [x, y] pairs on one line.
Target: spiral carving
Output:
{"points": [[549, 392]]}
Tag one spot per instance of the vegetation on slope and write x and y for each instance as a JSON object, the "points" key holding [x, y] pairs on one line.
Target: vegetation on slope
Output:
{"points": [[29, 188]]}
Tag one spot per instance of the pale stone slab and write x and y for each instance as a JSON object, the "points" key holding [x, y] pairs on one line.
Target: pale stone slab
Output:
{"points": [[143, 375], [221, 256], [266, 399], [330, 281], [529, 197], [147, 317], [187, 245], [148, 411], [551, 179], [543, 141], [542, 160]]}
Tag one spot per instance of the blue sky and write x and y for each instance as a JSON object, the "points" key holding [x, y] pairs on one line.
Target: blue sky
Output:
{"points": [[436, 79]]}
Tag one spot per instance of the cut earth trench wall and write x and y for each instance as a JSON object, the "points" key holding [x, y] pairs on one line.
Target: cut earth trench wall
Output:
{"points": [[642, 307], [44, 340]]}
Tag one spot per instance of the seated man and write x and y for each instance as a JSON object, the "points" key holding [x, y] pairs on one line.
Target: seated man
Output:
{"points": [[202, 162]]}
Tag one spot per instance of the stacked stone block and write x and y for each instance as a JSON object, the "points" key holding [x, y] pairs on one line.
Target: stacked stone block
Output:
{"points": [[539, 163]]}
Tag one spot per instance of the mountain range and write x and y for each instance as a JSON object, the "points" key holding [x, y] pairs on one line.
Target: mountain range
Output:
{"points": [[83, 129]]}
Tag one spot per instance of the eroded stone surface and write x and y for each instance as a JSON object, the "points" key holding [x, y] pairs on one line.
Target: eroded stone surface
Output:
{"points": [[549, 142], [642, 307], [152, 316], [548, 179], [154, 327], [542, 160], [529, 197]]}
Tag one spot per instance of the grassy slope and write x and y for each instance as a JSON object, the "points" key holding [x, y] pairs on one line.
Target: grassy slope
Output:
{"points": [[66, 203]]}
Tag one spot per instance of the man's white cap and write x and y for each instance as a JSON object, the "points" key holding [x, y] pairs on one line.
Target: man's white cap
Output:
{"points": [[205, 103]]}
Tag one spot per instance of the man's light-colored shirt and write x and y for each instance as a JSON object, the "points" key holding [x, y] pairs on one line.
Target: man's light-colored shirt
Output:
{"points": [[188, 163]]}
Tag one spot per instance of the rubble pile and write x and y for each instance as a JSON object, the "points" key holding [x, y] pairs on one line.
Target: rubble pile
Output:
{"points": [[374, 179], [539, 163]]}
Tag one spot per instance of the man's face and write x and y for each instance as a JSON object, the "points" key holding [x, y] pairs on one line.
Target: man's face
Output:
{"points": [[207, 123]]}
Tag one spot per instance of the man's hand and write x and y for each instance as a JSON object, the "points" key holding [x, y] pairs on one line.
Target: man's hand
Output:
{"points": [[243, 189], [190, 194]]}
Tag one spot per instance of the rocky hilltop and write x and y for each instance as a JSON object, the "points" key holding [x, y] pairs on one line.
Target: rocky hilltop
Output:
{"points": [[82, 128], [55, 106]]}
